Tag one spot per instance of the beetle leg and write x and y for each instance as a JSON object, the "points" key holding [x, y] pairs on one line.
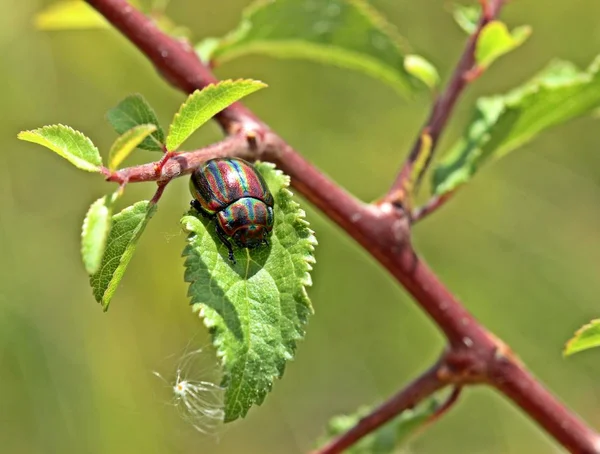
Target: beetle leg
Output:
{"points": [[196, 206], [227, 244]]}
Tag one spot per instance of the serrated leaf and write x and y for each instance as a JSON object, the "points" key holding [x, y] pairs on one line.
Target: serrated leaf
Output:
{"points": [[127, 227], [69, 14], [256, 310], [135, 111], [503, 123], [346, 33], [496, 40], [586, 337], [126, 143], [94, 232], [467, 17], [420, 68], [72, 145], [204, 104], [388, 438]]}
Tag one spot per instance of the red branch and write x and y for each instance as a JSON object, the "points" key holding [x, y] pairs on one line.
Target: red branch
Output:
{"points": [[466, 71], [183, 163], [415, 392], [474, 355]]}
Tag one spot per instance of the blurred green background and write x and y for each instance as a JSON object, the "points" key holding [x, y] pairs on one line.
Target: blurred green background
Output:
{"points": [[520, 246]]}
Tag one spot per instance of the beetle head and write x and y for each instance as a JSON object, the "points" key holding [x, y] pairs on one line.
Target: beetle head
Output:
{"points": [[250, 236]]}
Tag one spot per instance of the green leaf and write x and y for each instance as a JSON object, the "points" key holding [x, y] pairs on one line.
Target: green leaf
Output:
{"points": [[420, 68], [496, 40], [126, 143], [205, 49], [503, 123], [256, 310], [346, 33], [586, 337], [135, 111], [467, 17], [69, 14], [204, 104], [127, 227], [94, 232], [72, 145], [388, 438]]}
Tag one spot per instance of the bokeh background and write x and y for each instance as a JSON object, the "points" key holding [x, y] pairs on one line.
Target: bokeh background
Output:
{"points": [[520, 245]]}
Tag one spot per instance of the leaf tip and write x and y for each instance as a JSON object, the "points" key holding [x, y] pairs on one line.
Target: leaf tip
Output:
{"points": [[497, 40], [202, 105], [70, 144], [466, 17], [206, 48], [22, 134], [422, 69], [586, 337]]}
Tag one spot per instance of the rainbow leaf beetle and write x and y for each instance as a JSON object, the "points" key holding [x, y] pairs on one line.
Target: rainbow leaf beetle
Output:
{"points": [[233, 193]]}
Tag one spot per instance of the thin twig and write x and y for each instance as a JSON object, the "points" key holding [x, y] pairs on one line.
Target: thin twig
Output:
{"points": [[431, 206], [423, 387], [183, 163], [447, 405], [444, 105], [159, 192]]}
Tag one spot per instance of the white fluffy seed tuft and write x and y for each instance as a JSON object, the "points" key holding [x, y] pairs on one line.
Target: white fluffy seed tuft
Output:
{"points": [[200, 402]]}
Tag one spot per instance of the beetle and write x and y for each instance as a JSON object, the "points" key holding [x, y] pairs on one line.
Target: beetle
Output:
{"points": [[233, 193]]}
